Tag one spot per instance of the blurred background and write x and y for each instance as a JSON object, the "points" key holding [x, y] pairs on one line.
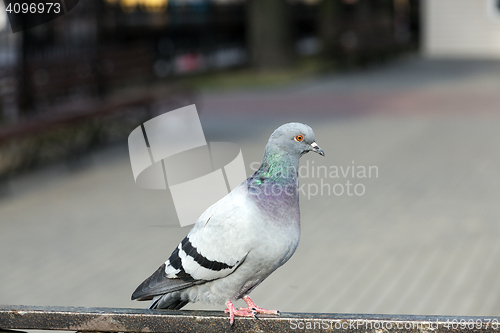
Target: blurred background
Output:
{"points": [[409, 88]]}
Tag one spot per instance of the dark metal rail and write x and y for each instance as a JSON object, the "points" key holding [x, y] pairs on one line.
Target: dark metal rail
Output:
{"points": [[142, 320]]}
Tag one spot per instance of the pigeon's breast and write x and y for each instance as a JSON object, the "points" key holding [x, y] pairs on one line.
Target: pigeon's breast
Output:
{"points": [[278, 203], [279, 228]]}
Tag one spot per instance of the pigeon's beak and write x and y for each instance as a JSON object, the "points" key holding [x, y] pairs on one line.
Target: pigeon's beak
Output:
{"points": [[317, 149]]}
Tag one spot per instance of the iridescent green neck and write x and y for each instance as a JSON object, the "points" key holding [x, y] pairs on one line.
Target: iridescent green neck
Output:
{"points": [[278, 167]]}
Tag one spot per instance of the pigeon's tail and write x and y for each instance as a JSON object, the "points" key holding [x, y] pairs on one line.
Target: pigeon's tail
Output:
{"points": [[158, 285], [168, 301]]}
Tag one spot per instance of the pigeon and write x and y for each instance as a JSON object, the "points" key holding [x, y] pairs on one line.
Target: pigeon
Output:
{"points": [[242, 238]]}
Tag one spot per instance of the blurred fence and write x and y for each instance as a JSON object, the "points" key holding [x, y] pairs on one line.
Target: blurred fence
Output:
{"points": [[98, 48], [100, 45], [9, 50]]}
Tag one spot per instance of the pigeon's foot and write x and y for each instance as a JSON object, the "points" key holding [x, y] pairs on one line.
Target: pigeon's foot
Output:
{"points": [[253, 306], [242, 312]]}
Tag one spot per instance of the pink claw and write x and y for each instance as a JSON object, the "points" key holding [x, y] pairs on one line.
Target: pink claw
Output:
{"points": [[252, 305], [251, 311], [242, 312]]}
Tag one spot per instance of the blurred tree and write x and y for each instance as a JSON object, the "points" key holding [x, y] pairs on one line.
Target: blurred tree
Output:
{"points": [[329, 27], [269, 33]]}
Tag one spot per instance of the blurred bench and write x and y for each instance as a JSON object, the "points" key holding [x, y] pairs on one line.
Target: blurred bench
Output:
{"points": [[69, 130], [82, 112], [143, 320]]}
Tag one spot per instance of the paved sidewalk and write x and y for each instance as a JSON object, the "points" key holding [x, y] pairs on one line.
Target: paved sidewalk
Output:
{"points": [[421, 236]]}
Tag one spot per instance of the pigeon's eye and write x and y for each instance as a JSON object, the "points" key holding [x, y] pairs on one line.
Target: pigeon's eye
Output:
{"points": [[299, 138]]}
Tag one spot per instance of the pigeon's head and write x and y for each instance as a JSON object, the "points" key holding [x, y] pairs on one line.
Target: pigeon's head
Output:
{"points": [[295, 138]]}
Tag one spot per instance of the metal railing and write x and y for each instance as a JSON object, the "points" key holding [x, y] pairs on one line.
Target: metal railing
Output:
{"points": [[142, 320]]}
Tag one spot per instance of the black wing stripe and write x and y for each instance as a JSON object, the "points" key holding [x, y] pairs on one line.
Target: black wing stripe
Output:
{"points": [[174, 259], [176, 263], [189, 249]]}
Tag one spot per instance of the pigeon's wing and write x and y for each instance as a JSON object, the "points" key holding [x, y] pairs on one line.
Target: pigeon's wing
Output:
{"points": [[216, 246]]}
